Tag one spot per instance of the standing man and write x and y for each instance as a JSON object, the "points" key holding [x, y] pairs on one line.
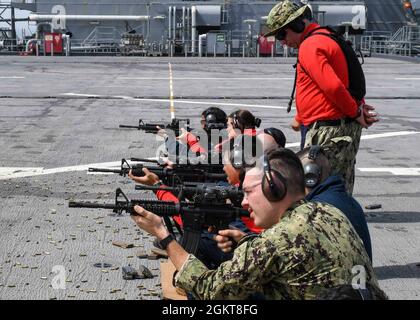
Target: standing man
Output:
{"points": [[329, 114]]}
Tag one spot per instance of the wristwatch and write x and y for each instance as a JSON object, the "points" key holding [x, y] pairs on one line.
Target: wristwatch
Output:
{"points": [[165, 242]]}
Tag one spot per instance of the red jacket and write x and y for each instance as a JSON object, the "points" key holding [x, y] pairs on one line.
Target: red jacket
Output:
{"points": [[322, 80], [194, 144], [169, 196], [250, 132], [249, 222]]}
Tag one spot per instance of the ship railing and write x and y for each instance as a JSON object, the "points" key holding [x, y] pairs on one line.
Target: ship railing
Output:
{"points": [[228, 48], [370, 46], [407, 33], [102, 47], [102, 36], [18, 46]]}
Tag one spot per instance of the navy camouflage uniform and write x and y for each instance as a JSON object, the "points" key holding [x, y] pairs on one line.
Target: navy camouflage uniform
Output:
{"points": [[340, 145], [312, 248]]}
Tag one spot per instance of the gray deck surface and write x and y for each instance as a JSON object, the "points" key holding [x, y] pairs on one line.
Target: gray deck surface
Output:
{"points": [[46, 122]]}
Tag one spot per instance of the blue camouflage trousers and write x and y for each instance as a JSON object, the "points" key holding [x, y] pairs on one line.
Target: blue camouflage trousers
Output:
{"points": [[340, 145]]}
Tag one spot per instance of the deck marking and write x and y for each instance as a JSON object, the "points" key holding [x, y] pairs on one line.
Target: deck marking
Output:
{"points": [[177, 101], [13, 172], [407, 79], [394, 171], [369, 137], [388, 135], [12, 77], [405, 87], [171, 92], [215, 78], [22, 172]]}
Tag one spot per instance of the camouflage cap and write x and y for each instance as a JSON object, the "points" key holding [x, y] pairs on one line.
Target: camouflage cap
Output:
{"points": [[282, 14]]}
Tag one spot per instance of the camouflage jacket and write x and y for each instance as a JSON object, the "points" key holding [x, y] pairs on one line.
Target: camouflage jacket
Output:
{"points": [[312, 248]]}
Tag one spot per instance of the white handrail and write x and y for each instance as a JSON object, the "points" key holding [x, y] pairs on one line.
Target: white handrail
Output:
{"points": [[48, 17]]}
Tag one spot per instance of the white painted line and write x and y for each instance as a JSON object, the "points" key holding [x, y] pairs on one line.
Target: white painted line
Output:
{"points": [[394, 171], [12, 77], [83, 95], [369, 137], [405, 87], [215, 79], [15, 172], [171, 92], [407, 79], [207, 103], [177, 101], [389, 135]]}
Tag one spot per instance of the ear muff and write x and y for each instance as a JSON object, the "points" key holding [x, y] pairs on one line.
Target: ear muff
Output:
{"points": [[236, 124], [311, 170], [312, 174], [236, 158], [210, 121], [274, 184], [240, 159], [213, 123], [211, 118]]}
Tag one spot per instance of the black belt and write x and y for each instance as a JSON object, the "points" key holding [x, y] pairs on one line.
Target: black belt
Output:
{"points": [[330, 123]]}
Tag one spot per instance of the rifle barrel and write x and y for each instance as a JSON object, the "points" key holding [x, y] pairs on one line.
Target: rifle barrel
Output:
{"points": [[129, 127], [216, 176], [155, 188], [144, 160], [91, 205], [105, 170]]}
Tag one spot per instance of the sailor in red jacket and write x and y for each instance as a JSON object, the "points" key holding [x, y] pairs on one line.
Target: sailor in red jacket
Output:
{"points": [[212, 119], [187, 144], [237, 123], [332, 117]]}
